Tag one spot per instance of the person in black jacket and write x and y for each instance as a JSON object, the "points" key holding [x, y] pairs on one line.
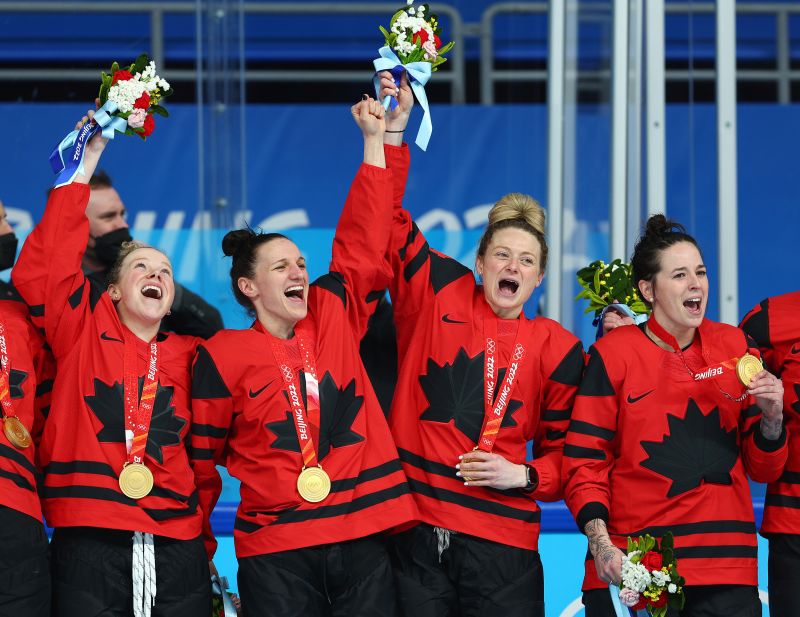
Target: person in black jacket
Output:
{"points": [[108, 229]]}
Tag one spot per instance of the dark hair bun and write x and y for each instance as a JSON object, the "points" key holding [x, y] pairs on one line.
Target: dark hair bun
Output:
{"points": [[659, 226], [235, 240]]}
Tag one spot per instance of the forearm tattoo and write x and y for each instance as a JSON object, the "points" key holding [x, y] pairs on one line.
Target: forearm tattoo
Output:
{"points": [[599, 543], [771, 429]]}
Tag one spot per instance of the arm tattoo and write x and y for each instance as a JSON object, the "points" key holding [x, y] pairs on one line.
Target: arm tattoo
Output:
{"points": [[771, 429], [599, 542]]}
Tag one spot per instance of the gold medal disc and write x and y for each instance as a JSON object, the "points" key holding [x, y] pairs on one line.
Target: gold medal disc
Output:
{"points": [[136, 480], [747, 367], [16, 432], [313, 484]]}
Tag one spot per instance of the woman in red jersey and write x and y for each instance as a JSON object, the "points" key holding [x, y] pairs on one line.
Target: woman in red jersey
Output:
{"points": [[287, 406], [774, 325], [25, 381], [664, 434], [477, 381], [118, 487]]}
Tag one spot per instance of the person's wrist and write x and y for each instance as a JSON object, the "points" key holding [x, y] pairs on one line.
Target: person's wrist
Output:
{"points": [[771, 428], [531, 479]]}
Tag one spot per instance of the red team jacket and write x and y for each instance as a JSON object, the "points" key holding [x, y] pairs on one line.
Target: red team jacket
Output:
{"points": [[651, 450], [242, 417], [82, 449], [438, 407], [30, 381], [775, 327]]}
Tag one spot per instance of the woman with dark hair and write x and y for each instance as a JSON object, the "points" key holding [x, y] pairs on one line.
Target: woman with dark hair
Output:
{"points": [[774, 325], [117, 485], [287, 406], [671, 418], [477, 381]]}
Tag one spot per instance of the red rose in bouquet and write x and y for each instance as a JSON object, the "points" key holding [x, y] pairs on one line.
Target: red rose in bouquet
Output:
{"points": [[121, 75], [652, 561]]}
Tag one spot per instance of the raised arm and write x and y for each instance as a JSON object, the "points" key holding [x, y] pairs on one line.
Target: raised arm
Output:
{"points": [[358, 271], [48, 273]]}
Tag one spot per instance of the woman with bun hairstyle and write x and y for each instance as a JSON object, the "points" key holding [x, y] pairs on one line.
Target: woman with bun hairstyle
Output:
{"points": [[287, 406], [477, 381], [117, 485], [665, 433]]}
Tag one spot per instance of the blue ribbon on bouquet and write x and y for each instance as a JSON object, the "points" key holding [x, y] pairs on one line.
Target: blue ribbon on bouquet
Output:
{"points": [[620, 308], [67, 158], [418, 75], [623, 611]]}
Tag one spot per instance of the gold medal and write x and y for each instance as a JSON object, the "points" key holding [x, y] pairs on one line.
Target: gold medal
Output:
{"points": [[135, 480], [16, 432], [748, 367], [313, 484]]}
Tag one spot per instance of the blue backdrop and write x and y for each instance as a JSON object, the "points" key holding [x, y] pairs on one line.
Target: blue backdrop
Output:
{"points": [[300, 159]]}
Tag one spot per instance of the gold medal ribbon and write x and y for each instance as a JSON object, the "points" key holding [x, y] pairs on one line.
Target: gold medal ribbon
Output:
{"points": [[743, 366], [13, 427], [136, 480], [313, 484], [494, 409]]}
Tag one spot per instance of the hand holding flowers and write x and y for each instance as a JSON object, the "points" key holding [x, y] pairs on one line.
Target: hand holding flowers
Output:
{"points": [[127, 101], [412, 47], [650, 578]]}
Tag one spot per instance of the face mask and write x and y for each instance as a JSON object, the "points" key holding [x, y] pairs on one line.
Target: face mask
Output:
{"points": [[108, 246], [8, 250]]}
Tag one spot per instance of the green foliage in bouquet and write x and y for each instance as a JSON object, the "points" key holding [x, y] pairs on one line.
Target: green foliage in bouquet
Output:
{"points": [[603, 284]]}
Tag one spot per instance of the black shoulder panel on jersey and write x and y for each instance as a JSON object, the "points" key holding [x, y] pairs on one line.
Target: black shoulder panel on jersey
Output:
{"points": [[207, 383], [334, 283], [595, 380], [413, 266], [409, 239], [76, 296], [757, 327], [445, 270], [570, 370]]}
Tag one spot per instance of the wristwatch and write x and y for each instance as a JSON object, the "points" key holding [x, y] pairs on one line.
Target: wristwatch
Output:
{"points": [[532, 477]]}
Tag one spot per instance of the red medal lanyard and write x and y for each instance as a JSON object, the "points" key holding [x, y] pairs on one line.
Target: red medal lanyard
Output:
{"points": [[291, 379], [710, 371], [493, 411], [5, 372], [138, 416]]}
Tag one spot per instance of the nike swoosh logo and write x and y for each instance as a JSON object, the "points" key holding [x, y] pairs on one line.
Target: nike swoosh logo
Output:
{"points": [[260, 390], [632, 399], [795, 348], [446, 319], [105, 337]]}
